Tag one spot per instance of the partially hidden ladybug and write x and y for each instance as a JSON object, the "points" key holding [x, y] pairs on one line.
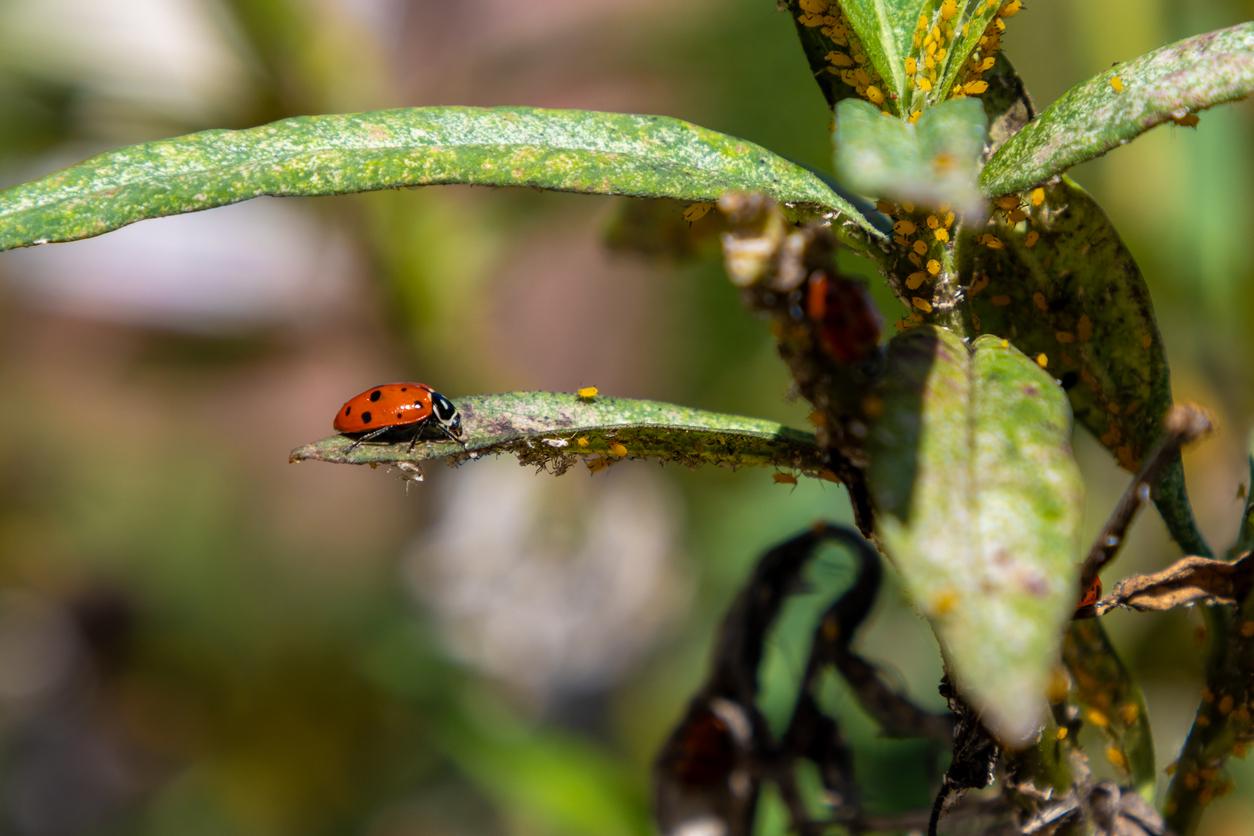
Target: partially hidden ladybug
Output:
{"points": [[394, 411]]}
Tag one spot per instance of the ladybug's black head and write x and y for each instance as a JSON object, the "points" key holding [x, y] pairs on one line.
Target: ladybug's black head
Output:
{"points": [[446, 414]]}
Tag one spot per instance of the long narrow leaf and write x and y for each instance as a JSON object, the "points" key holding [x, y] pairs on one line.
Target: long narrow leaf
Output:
{"points": [[978, 504], [1117, 105], [564, 150], [556, 430]]}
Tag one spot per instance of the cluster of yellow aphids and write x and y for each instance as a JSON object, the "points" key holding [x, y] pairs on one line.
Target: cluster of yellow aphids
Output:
{"points": [[848, 60]]}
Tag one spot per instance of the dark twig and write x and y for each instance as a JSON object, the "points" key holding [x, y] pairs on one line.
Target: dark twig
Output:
{"points": [[1184, 423]]}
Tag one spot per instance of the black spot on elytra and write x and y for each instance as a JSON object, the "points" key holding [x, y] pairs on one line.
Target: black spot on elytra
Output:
{"points": [[375, 395], [366, 417], [348, 410], [400, 415], [404, 389]]}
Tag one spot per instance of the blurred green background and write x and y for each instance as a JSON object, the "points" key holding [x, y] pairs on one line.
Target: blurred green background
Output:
{"points": [[199, 638]]}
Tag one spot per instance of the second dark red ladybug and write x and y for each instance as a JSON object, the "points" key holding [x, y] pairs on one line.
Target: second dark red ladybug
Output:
{"points": [[394, 411]]}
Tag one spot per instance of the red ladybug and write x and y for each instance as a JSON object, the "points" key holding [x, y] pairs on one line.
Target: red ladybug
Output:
{"points": [[398, 410], [848, 323]]}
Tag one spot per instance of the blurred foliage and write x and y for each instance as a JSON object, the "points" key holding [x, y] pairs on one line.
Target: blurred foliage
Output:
{"points": [[196, 637]]}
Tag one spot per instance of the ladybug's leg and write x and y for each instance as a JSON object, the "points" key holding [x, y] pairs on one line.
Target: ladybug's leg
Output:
{"points": [[450, 435], [373, 434]]}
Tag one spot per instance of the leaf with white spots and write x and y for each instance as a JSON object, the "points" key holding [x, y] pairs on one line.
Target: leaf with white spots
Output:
{"points": [[1171, 83], [562, 150], [556, 430], [978, 504], [932, 162]]}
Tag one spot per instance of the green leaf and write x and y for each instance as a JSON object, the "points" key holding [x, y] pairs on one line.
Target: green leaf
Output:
{"points": [[546, 429], [1111, 700], [885, 28], [564, 150], [933, 162], [1245, 534], [1077, 297], [978, 504], [973, 18], [1092, 118]]}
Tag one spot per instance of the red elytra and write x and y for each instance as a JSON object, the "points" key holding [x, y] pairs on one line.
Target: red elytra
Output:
{"points": [[397, 409], [848, 323]]}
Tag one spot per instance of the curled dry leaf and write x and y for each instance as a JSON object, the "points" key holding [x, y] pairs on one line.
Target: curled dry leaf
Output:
{"points": [[1188, 581]]}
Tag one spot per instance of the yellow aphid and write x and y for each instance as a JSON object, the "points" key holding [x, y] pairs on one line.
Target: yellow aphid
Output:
{"points": [[914, 116], [1042, 360], [905, 227], [933, 266], [1116, 84], [1007, 202], [915, 280], [588, 392], [987, 64], [875, 95], [920, 247], [932, 222], [1000, 24], [1015, 215], [839, 59], [992, 242], [1011, 9], [975, 88], [1031, 238], [929, 61], [1188, 120], [948, 9], [915, 259], [942, 234], [697, 211], [1115, 755], [1038, 196], [921, 303], [784, 478], [912, 66], [923, 84], [1097, 718], [814, 7], [618, 450], [811, 21], [582, 441], [949, 219], [1061, 734]]}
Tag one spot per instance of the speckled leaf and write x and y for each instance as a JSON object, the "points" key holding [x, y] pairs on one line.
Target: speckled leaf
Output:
{"points": [[555, 430], [1077, 297], [1093, 117], [929, 163], [1112, 702], [978, 504], [886, 28], [577, 151]]}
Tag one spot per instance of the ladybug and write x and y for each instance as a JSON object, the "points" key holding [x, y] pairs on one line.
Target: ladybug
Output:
{"points": [[398, 410], [848, 323]]}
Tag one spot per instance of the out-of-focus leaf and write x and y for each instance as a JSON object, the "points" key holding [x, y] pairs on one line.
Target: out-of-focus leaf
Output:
{"points": [[1111, 108], [1064, 288], [933, 162], [1187, 582], [556, 429], [1245, 534], [1112, 701], [978, 504], [564, 150]]}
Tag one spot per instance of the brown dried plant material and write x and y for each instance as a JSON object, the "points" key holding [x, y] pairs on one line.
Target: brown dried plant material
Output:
{"points": [[1187, 582]]}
